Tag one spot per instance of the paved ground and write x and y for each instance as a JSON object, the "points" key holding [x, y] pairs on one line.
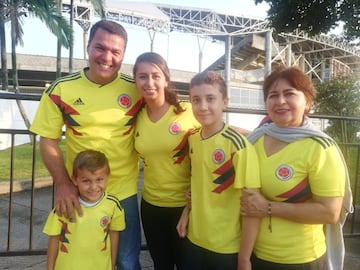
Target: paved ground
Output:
{"points": [[21, 220], [42, 205], [352, 260]]}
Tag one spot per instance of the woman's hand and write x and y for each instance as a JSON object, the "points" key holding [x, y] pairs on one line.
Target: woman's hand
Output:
{"points": [[183, 222], [253, 204], [243, 264]]}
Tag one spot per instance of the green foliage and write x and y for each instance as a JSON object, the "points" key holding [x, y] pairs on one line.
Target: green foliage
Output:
{"points": [[47, 12], [314, 17], [15, 10], [340, 97], [22, 165], [99, 6], [351, 153], [349, 12]]}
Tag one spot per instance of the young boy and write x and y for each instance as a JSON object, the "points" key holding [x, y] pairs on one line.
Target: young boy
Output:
{"points": [[91, 242], [222, 163]]}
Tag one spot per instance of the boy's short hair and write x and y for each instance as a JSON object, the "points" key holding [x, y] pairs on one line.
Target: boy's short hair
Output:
{"points": [[212, 78], [91, 160]]}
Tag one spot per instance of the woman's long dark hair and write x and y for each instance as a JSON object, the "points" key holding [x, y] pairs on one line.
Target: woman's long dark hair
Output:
{"points": [[156, 59]]}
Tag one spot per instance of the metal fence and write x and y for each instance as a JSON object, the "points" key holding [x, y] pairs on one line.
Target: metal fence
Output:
{"points": [[25, 204]]}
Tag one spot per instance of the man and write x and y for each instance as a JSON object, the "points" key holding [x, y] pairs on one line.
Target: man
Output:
{"points": [[97, 106]]}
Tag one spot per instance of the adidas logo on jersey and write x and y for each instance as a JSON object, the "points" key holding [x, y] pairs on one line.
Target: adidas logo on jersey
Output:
{"points": [[79, 102]]}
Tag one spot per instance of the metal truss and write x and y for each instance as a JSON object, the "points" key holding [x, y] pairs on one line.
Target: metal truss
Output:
{"points": [[321, 56], [117, 11], [209, 22]]}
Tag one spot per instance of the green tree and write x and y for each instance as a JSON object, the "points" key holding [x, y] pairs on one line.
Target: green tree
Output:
{"points": [[340, 97], [4, 73], [14, 11], [314, 16], [58, 44]]}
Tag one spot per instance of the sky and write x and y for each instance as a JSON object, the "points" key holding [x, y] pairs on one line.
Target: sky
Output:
{"points": [[180, 50]]}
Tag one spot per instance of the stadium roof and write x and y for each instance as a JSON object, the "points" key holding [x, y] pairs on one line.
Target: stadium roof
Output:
{"points": [[247, 35]]}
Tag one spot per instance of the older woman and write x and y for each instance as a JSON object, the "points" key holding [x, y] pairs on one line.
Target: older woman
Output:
{"points": [[303, 179]]}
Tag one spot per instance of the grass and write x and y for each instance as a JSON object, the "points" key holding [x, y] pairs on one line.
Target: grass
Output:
{"points": [[22, 166], [351, 156]]}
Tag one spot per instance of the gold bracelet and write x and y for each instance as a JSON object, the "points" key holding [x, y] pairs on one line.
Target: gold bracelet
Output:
{"points": [[269, 214]]}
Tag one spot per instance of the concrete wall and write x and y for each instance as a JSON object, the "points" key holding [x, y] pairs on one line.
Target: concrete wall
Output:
{"points": [[48, 63]]}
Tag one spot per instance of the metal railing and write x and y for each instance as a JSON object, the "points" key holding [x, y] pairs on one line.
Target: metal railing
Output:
{"points": [[21, 221]]}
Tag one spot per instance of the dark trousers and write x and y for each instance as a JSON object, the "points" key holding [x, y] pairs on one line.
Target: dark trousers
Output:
{"points": [[165, 245], [258, 264], [198, 258]]}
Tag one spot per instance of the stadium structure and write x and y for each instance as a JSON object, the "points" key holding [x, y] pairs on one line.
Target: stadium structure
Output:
{"points": [[251, 48]]}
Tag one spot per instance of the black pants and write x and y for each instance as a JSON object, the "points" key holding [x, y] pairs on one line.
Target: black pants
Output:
{"points": [[198, 258], [165, 245], [258, 264]]}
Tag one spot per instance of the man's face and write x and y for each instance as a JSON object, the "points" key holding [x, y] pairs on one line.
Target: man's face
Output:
{"points": [[106, 53]]}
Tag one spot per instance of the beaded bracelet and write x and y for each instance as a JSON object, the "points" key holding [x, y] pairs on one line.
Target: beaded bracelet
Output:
{"points": [[269, 214]]}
